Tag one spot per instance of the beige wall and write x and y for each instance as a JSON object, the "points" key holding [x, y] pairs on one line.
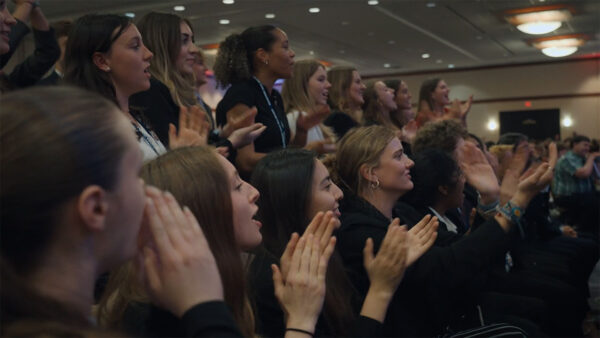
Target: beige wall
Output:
{"points": [[578, 77]]}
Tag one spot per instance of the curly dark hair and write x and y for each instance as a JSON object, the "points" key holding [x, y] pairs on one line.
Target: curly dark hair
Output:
{"points": [[235, 59], [441, 135]]}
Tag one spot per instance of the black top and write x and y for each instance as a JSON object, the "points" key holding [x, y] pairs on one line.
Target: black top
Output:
{"points": [[426, 301], [209, 319], [35, 66], [249, 93], [340, 122], [270, 320], [159, 109]]}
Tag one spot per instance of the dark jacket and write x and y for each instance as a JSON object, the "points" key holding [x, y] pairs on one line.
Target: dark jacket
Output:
{"points": [[425, 302]]}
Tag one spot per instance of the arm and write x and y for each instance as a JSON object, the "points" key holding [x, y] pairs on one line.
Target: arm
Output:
{"points": [[586, 170], [46, 52]]}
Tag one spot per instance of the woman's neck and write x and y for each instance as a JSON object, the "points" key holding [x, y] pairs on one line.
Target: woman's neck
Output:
{"points": [[382, 201], [123, 101], [266, 78], [70, 282], [438, 108]]}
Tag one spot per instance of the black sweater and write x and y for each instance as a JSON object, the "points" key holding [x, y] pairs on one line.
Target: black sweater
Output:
{"points": [[425, 302]]}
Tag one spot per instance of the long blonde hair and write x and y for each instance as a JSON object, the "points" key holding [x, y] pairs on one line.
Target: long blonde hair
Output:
{"points": [[162, 35], [295, 92]]}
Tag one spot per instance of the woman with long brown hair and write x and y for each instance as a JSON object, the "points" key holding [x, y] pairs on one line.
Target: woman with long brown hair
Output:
{"points": [[345, 99], [225, 207]]}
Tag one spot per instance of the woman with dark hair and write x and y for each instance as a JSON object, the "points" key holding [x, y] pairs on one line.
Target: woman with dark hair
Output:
{"points": [[371, 165], [433, 99], [250, 63], [86, 210], [345, 99], [284, 212], [105, 54], [225, 207], [171, 39]]}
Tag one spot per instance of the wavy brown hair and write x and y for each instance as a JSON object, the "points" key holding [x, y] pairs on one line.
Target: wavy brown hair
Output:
{"points": [[194, 176], [162, 35]]}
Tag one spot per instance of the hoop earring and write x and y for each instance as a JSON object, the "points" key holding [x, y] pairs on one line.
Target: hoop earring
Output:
{"points": [[375, 185]]}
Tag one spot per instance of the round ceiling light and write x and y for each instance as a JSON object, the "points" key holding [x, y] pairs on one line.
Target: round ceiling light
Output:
{"points": [[539, 27], [557, 52]]}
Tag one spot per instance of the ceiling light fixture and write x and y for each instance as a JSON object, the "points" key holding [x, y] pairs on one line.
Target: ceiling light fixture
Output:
{"points": [[561, 45], [314, 10], [538, 20], [450, 66], [425, 56], [229, 2], [373, 2], [130, 15], [386, 65], [224, 22], [269, 16], [431, 4], [179, 8]]}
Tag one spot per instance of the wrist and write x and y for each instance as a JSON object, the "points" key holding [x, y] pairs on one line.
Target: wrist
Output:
{"points": [[306, 324], [519, 199], [379, 293]]}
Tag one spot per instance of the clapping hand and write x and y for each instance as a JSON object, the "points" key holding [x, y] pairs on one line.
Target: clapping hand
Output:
{"points": [[193, 128], [479, 172], [421, 237]]}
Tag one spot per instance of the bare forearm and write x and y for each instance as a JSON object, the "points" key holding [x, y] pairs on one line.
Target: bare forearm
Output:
{"points": [[586, 170]]}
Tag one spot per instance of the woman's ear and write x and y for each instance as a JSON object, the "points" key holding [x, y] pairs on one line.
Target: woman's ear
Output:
{"points": [[101, 62], [262, 56], [366, 172], [92, 207], [442, 189]]}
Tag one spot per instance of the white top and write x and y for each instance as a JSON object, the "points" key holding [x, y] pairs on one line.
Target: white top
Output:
{"points": [[314, 134], [151, 146], [449, 225]]}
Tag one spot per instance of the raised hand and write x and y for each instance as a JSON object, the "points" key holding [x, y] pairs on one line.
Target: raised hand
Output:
{"points": [[421, 237], [552, 154], [460, 110], [385, 270], [409, 131], [307, 121], [238, 117], [479, 172], [321, 227], [532, 185], [302, 293], [193, 128], [515, 168], [326, 146], [245, 135], [176, 264]]}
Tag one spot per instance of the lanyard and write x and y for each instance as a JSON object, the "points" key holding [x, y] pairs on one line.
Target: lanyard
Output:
{"points": [[143, 136], [279, 124]]}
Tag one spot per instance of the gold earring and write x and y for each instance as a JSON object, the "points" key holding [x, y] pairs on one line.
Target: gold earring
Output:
{"points": [[375, 185]]}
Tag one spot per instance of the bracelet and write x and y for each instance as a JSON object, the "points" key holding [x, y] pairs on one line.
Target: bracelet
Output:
{"points": [[300, 330], [512, 213]]}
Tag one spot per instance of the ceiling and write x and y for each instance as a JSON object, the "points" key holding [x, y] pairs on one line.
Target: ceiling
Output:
{"points": [[390, 37]]}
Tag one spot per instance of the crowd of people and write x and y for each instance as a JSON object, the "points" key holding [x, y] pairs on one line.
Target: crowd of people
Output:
{"points": [[332, 208]]}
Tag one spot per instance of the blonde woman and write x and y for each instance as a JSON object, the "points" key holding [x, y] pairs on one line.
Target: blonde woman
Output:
{"points": [[305, 94]]}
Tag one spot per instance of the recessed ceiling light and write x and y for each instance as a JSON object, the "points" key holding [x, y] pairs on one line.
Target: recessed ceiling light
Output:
{"points": [[342, 51], [373, 2], [391, 42], [438, 61], [312, 52], [224, 22], [130, 15], [386, 65], [229, 2], [270, 16], [431, 4], [450, 66], [179, 8], [314, 10], [557, 52], [425, 56], [345, 23]]}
